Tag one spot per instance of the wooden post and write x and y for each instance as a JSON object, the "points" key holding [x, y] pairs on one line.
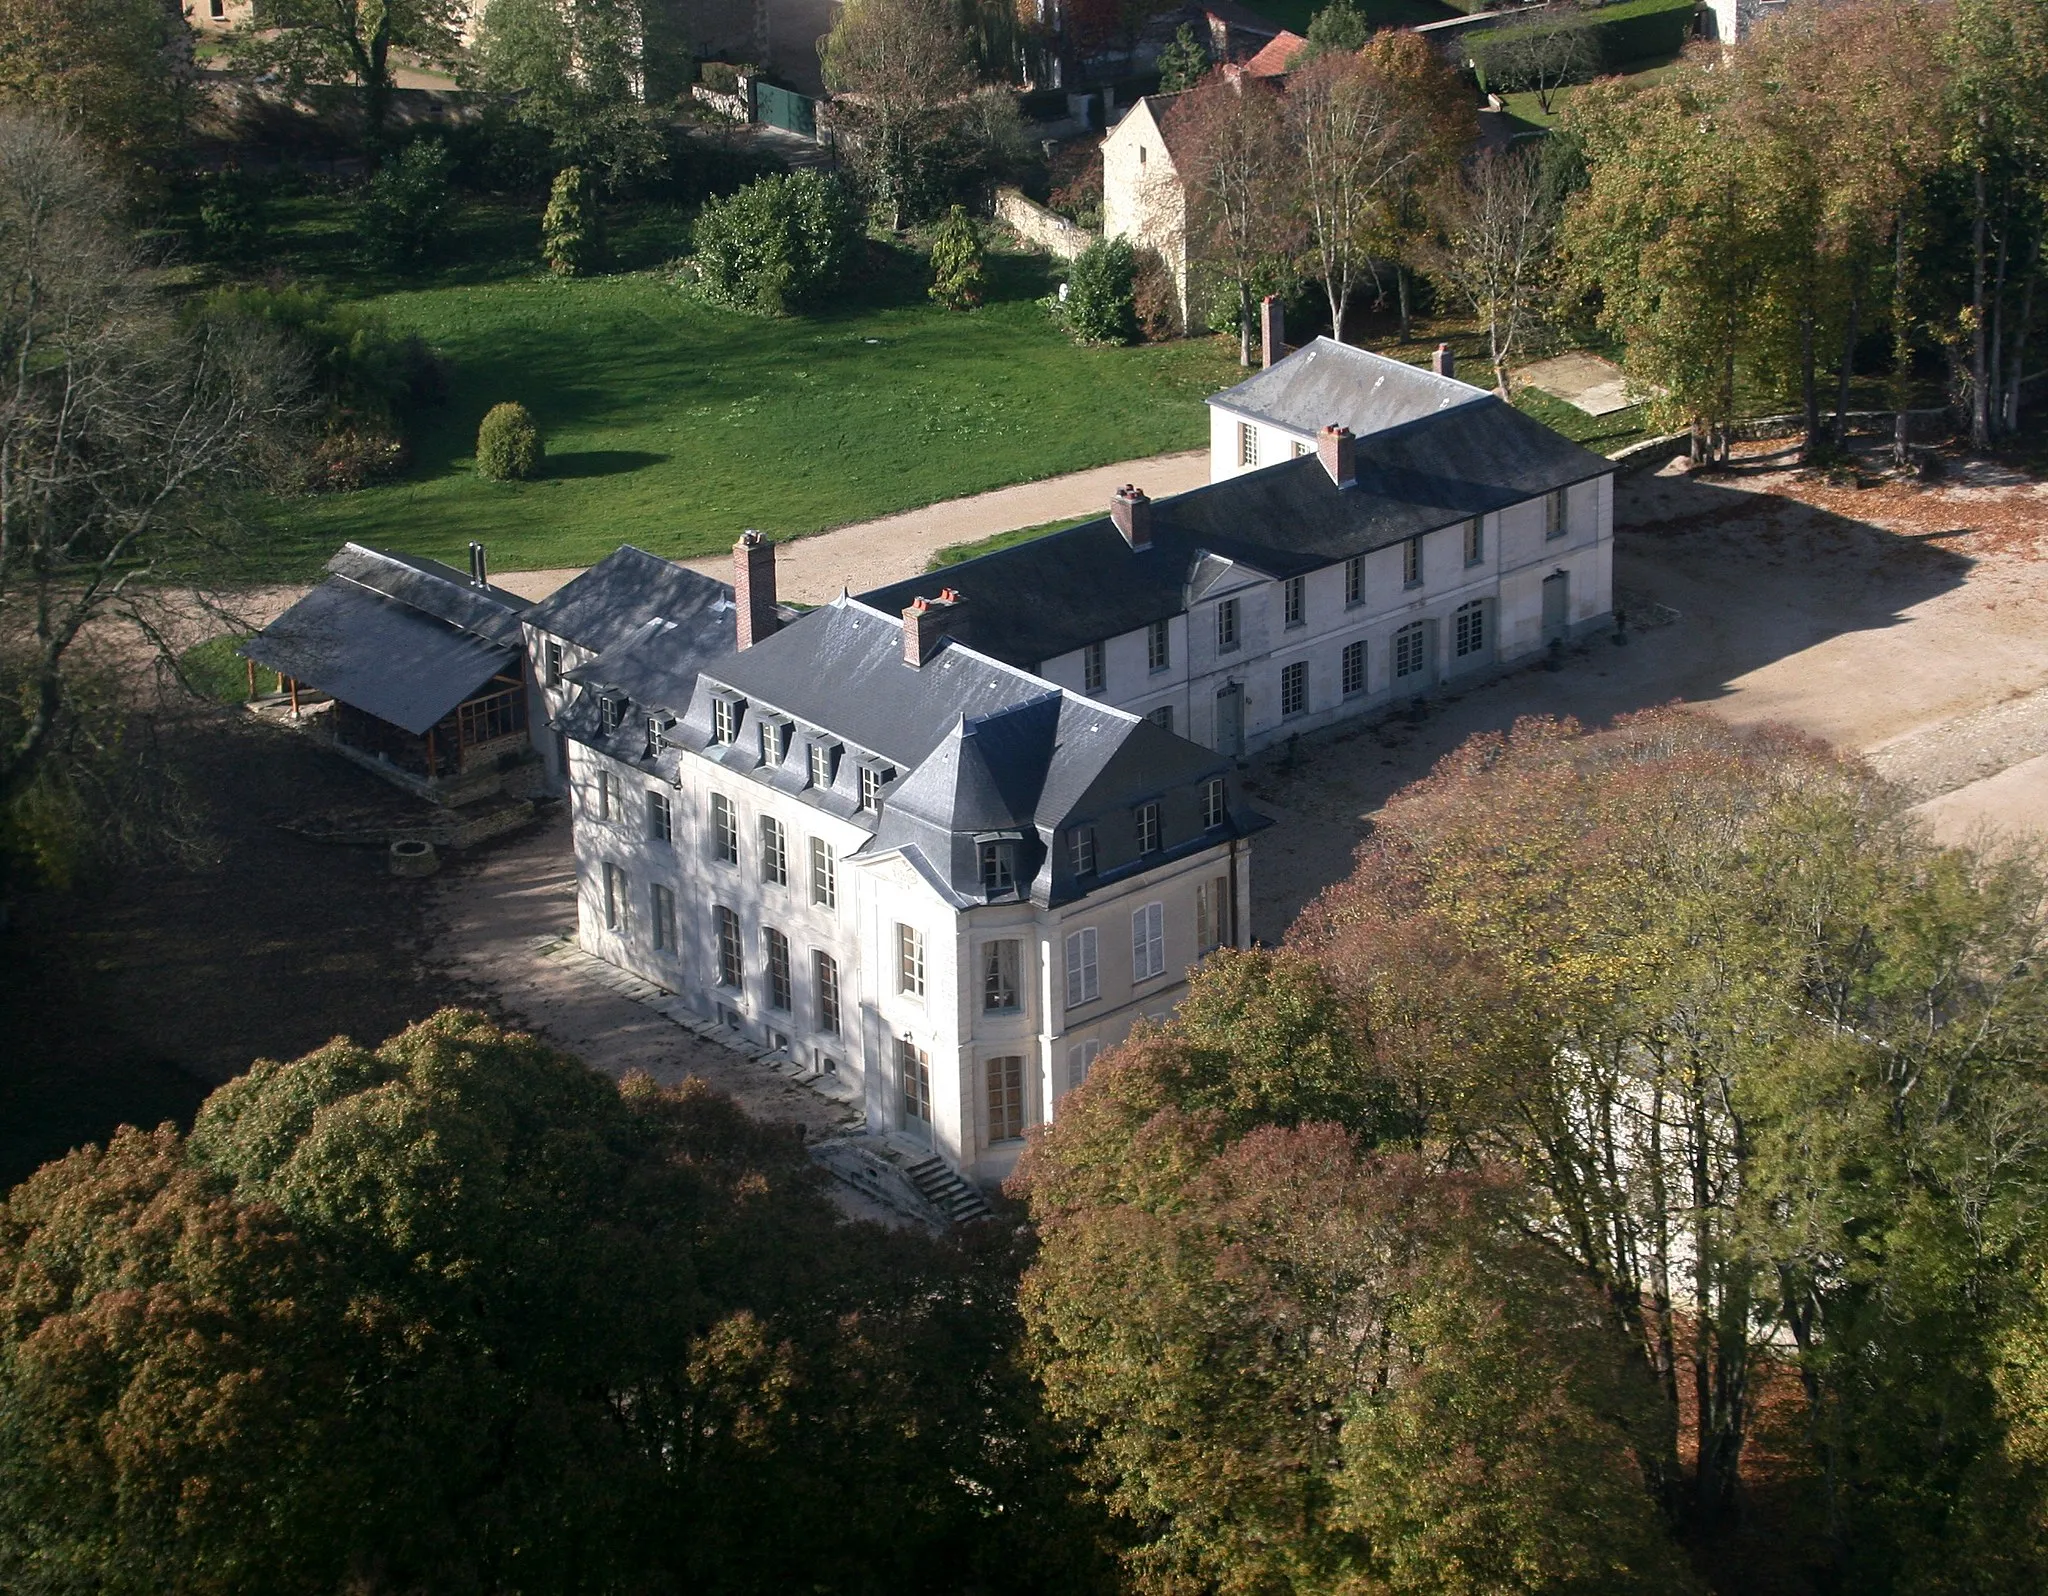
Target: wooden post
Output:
{"points": [[295, 697], [252, 676]]}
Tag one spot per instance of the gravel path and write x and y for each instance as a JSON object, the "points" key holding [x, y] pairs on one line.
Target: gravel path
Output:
{"points": [[816, 569]]}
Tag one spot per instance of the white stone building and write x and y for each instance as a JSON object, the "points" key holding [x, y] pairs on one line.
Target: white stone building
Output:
{"points": [[865, 842], [1422, 532], [1143, 196]]}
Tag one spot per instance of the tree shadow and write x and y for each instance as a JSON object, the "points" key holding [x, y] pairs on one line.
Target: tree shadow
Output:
{"points": [[599, 463]]}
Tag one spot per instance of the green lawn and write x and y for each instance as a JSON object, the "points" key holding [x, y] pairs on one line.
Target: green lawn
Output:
{"points": [[675, 425], [955, 553]]}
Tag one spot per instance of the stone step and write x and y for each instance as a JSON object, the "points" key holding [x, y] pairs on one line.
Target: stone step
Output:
{"points": [[941, 1185]]}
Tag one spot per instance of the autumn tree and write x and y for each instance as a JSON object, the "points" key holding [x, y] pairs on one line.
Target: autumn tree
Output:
{"points": [[350, 41], [1492, 250], [1539, 54], [1230, 146], [116, 71], [1365, 128], [898, 71]]}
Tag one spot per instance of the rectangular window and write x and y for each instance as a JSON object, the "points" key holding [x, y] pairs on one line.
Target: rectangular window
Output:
{"points": [[1299, 450], [1005, 1099], [1226, 627], [614, 898], [1411, 650], [1468, 629], [1000, 992], [1084, 983], [825, 972], [1212, 914], [731, 965], [1215, 803], [1354, 580], [824, 874], [1411, 563], [1081, 1059], [1148, 942], [657, 734], [663, 902], [774, 852], [1094, 668], [824, 764], [1475, 540], [604, 794], [1294, 599], [1159, 646], [661, 818], [909, 961], [1294, 688], [1148, 828], [775, 946], [1247, 444], [610, 712], [554, 659], [998, 868], [872, 780], [1081, 850], [1354, 669], [1553, 514], [725, 720], [725, 830], [916, 1070], [774, 741], [1162, 717]]}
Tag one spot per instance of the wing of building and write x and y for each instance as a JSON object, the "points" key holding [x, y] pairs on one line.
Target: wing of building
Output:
{"points": [[910, 864], [1422, 533]]}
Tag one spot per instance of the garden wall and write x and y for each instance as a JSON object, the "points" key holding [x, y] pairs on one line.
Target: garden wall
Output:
{"points": [[1035, 224]]}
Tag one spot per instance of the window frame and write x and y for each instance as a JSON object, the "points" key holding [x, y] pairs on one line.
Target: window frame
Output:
{"points": [[825, 981], [1419, 632], [998, 868], [1411, 563], [1294, 689], [661, 905], [1215, 802], [1294, 602], [998, 967], [1003, 1092], [725, 830], [914, 1069], [604, 793], [1468, 629], [910, 967], [1354, 581], [1094, 667], [1081, 855], [774, 852], [617, 890], [1083, 967], [551, 656], [1148, 942], [729, 951], [661, 818], [781, 979], [1229, 633], [1475, 541], [1146, 828], [1556, 514], [1162, 717], [1247, 444], [824, 756], [1159, 647], [1352, 668], [725, 721], [1081, 1059], [824, 874]]}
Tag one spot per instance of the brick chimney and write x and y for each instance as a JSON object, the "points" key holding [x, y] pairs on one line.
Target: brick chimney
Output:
{"points": [[1272, 328], [1131, 510], [753, 588], [1443, 362], [927, 623], [1338, 451]]}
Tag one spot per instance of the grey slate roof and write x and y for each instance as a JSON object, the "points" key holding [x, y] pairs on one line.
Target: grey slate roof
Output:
{"points": [[978, 747], [1325, 383], [628, 588], [397, 637], [1035, 601]]}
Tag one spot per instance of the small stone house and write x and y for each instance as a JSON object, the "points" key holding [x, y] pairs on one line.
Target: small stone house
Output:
{"points": [[1143, 195], [862, 842], [410, 668]]}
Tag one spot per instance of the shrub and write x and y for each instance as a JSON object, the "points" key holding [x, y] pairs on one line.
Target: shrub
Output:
{"points": [[508, 445], [408, 200], [1156, 298], [778, 245], [230, 215], [1101, 301], [1340, 28], [958, 281], [572, 230], [1182, 62]]}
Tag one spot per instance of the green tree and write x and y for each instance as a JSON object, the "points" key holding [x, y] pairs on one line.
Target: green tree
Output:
{"points": [[350, 41], [508, 444], [779, 245], [406, 203], [574, 71], [572, 228], [958, 279], [1537, 54], [114, 70], [1183, 62], [1340, 28], [1101, 303]]}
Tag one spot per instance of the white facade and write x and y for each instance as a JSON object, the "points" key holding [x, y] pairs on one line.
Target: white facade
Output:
{"points": [[1459, 616], [1142, 196]]}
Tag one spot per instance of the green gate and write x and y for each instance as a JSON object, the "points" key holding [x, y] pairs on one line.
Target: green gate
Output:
{"points": [[784, 108]]}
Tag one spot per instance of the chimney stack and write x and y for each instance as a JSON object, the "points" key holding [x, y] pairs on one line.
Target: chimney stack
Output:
{"points": [[753, 588], [1131, 510], [1338, 451], [1443, 362], [1272, 328], [479, 570], [927, 623]]}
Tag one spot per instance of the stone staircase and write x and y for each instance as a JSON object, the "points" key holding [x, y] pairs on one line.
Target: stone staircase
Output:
{"points": [[939, 1184]]}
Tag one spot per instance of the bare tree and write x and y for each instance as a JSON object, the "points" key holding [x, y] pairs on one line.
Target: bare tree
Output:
{"points": [[1539, 55], [1366, 127], [119, 428], [1230, 144], [1496, 221], [899, 73]]}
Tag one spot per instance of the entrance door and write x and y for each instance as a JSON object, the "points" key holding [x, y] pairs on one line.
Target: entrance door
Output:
{"points": [[1415, 657], [1557, 599], [915, 1066], [1230, 720]]}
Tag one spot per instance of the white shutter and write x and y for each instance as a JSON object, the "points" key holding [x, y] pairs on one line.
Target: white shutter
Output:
{"points": [[1083, 982]]}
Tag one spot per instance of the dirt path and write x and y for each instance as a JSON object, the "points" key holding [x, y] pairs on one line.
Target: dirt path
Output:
{"points": [[816, 569]]}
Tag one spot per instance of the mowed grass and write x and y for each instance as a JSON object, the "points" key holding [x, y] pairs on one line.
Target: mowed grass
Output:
{"points": [[676, 425]]}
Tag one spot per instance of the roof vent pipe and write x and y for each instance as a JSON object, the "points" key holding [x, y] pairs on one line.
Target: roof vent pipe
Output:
{"points": [[479, 571], [1338, 451], [1131, 510]]}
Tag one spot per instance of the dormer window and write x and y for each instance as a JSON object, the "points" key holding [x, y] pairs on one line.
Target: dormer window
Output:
{"points": [[1215, 806], [657, 733], [611, 712], [998, 869], [824, 764], [1148, 828], [726, 713], [775, 734], [873, 778]]}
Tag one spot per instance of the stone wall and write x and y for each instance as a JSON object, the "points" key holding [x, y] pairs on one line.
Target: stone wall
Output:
{"points": [[1035, 224]]}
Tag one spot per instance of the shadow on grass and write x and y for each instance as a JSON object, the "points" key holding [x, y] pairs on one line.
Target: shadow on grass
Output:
{"points": [[600, 463]]}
